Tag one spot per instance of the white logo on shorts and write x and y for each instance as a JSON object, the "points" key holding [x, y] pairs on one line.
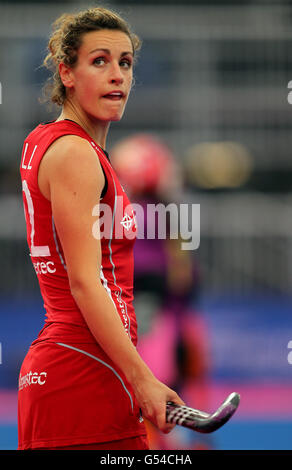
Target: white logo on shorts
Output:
{"points": [[32, 378]]}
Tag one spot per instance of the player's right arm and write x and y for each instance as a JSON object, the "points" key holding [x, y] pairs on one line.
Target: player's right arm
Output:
{"points": [[70, 176]]}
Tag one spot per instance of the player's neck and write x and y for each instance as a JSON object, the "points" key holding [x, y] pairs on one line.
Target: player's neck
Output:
{"points": [[98, 130]]}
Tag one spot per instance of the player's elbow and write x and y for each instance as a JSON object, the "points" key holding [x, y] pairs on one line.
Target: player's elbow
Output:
{"points": [[82, 286], [77, 287]]}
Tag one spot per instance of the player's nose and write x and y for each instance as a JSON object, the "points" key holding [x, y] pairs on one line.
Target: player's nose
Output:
{"points": [[115, 74]]}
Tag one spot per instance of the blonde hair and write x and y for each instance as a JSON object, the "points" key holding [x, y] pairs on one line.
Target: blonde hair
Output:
{"points": [[66, 39]]}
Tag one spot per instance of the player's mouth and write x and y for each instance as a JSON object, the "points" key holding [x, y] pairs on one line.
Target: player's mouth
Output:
{"points": [[115, 95]]}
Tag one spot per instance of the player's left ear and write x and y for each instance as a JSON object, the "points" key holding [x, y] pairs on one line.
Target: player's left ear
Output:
{"points": [[66, 75]]}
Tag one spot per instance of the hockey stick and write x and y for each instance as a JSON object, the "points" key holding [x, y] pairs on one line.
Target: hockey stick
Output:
{"points": [[199, 420]]}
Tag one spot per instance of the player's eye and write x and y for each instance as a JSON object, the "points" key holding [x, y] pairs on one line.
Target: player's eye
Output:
{"points": [[126, 63], [99, 61]]}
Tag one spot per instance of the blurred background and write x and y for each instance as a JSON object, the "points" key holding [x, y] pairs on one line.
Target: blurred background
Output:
{"points": [[212, 86]]}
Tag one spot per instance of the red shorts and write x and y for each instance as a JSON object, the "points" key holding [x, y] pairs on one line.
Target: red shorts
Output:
{"points": [[71, 394], [132, 443]]}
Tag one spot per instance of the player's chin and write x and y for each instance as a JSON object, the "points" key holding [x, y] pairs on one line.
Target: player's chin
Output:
{"points": [[113, 115], [117, 116], [116, 113]]}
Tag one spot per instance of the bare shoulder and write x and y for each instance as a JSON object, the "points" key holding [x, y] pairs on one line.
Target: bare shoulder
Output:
{"points": [[69, 150], [69, 158]]}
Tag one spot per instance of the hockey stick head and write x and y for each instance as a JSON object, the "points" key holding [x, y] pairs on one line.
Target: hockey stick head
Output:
{"points": [[200, 421], [221, 415]]}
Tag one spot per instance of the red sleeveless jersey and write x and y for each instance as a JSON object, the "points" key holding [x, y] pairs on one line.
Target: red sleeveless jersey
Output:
{"points": [[64, 319]]}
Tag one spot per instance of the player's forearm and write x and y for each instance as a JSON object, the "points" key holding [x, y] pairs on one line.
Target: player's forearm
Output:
{"points": [[106, 326]]}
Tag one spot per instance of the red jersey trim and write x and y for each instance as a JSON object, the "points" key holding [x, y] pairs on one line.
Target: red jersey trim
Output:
{"points": [[105, 364]]}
